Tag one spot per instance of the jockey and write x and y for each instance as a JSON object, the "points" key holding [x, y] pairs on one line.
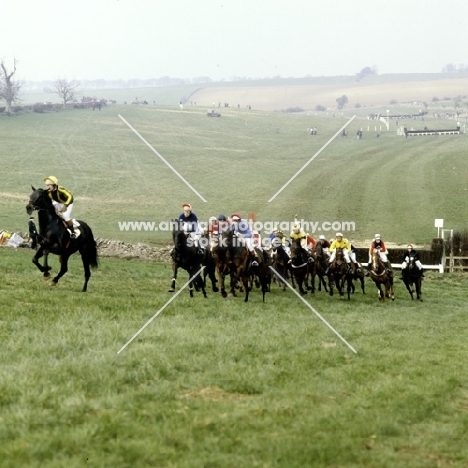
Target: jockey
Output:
{"points": [[406, 260], [188, 222], [213, 227], [298, 234], [277, 238], [339, 243], [243, 232], [352, 256], [62, 200], [325, 244], [378, 244]]}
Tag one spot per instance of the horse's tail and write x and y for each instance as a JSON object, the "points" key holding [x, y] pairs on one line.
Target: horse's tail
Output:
{"points": [[89, 250]]}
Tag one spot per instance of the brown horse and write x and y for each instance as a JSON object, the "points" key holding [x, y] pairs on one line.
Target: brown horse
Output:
{"points": [[232, 258], [339, 273], [380, 276]]}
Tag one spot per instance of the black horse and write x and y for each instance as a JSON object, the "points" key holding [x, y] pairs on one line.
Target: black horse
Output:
{"points": [[300, 267], [186, 256], [412, 277], [282, 264], [54, 238]]}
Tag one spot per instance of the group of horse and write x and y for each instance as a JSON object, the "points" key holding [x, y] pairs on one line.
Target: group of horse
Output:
{"points": [[226, 257]]}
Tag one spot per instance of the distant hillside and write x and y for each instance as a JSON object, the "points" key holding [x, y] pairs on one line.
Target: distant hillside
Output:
{"points": [[272, 94], [375, 92]]}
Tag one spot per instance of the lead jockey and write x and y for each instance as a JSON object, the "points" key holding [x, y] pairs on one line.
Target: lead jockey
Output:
{"points": [[243, 232], [378, 244], [62, 200], [188, 222]]}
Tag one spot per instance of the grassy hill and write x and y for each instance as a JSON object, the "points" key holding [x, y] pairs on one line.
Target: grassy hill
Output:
{"points": [[389, 184]]}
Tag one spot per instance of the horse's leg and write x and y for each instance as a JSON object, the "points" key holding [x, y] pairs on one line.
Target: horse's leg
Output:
{"points": [[331, 284], [63, 269], [408, 286], [246, 281], [174, 277], [418, 289], [41, 252], [392, 294], [198, 280], [87, 272]]}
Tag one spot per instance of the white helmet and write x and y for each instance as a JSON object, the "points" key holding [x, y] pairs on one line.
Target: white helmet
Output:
{"points": [[322, 237]]}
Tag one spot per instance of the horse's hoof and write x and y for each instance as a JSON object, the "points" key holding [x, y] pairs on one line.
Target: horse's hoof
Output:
{"points": [[215, 289], [52, 283], [45, 277], [171, 290]]}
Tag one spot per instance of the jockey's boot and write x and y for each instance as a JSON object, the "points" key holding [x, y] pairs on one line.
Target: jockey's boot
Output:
{"points": [[254, 258], [71, 228], [369, 267], [310, 260], [358, 267], [387, 267], [422, 273], [327, 270]]}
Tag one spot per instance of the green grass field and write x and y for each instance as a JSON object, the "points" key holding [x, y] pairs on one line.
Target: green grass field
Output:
{"points": [[220, 383], [217, 383], [390, 184]]}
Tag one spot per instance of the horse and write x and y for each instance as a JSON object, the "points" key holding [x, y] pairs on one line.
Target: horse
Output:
{"points": [[186, 256], [210, 266], [358, 276], [340, 272], [321, 259], [412, 279], [54, 238], [380, 276], [232, 258], [281, 263], [301, 267]]}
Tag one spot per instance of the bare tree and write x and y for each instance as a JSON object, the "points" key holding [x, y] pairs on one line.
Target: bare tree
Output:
{"points": [[9, 89], [65, 89]]}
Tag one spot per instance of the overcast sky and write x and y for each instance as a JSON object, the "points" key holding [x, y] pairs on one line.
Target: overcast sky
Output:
{"points": [[124, 39]]}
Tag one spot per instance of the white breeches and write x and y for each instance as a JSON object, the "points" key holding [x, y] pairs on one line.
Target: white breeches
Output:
{"points": [[345, 253], [383, 257], [66, 215], [417, 262]]}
